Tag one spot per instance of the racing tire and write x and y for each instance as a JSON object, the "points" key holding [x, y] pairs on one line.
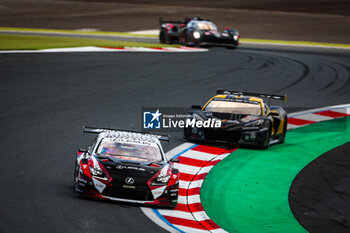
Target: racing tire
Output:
{"points": [[266, 143], [283, 137], [229, 47], [162, 39], [186, 42], [187, 133], [75, 181]]}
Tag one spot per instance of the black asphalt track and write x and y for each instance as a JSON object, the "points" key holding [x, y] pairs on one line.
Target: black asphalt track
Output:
{"points": [[320, 194], [45, 99]]}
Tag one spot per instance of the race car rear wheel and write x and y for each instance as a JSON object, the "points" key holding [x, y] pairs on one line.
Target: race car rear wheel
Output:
{"points": [[162, 37]]}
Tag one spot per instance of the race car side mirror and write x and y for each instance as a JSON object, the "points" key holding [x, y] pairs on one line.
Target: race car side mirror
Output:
{"points": [[175, 160], [196, 107], [83, 150]]}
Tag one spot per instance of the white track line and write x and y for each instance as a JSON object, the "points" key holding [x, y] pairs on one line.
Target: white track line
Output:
{"points": [[112, 50]]}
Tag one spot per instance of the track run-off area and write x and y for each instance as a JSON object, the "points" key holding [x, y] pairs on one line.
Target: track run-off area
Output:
{"points": [[46, 98], [249, 182], [249, 191]]}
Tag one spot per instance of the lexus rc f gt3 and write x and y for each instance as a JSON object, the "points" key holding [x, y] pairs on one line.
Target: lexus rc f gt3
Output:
{"points": [[126, 166], [197, 32], [246, 119]]}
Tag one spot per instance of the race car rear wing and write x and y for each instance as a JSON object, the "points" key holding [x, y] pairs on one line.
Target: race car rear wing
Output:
{"points": [[186, 20], [87, 129], [161, 21], [268, 96]]}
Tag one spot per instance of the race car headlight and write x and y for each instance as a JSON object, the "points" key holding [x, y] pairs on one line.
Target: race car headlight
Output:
{"points": [[163, 176], [235, 37], [96, 171], [163, 180], [196, 35]]}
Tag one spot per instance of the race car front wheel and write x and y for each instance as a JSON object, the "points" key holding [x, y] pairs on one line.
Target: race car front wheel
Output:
{"points": [[75, 181], [266, 142]]}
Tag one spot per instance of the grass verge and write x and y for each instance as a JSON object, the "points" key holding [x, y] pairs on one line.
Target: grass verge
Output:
{"points": [[243, 40], [30, 42], [297, 43], [248, 191], [13, 29]]}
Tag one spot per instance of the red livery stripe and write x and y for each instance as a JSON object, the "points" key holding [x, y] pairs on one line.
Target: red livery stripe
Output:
{"points": [[296, 121], [332, 114]]}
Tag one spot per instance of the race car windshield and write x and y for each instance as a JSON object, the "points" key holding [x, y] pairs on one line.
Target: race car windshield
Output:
{"points": [[233, 107], [129, 151], [206, 26]]}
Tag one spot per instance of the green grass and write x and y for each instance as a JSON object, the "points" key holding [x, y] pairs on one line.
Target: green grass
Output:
{"points": [[248, 191], [13, 29], [30, 42], [291, 42], [243, 40]]}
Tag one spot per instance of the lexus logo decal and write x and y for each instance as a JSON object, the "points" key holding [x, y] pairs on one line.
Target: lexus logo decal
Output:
{"points": [[129, 180]]}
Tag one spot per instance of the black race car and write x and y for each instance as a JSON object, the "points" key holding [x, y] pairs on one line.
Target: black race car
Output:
{"points": [[196, 32], [126, 166], [245, 119]]}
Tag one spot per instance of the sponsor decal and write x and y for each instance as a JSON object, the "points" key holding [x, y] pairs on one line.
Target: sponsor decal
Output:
{"points": [[98, 185], [128, 187], [120, 166], [158, 191]]}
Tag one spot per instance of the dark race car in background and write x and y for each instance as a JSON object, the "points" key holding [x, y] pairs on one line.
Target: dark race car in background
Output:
{"points": [[196, 32], [245, 119], [126, 166]]}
